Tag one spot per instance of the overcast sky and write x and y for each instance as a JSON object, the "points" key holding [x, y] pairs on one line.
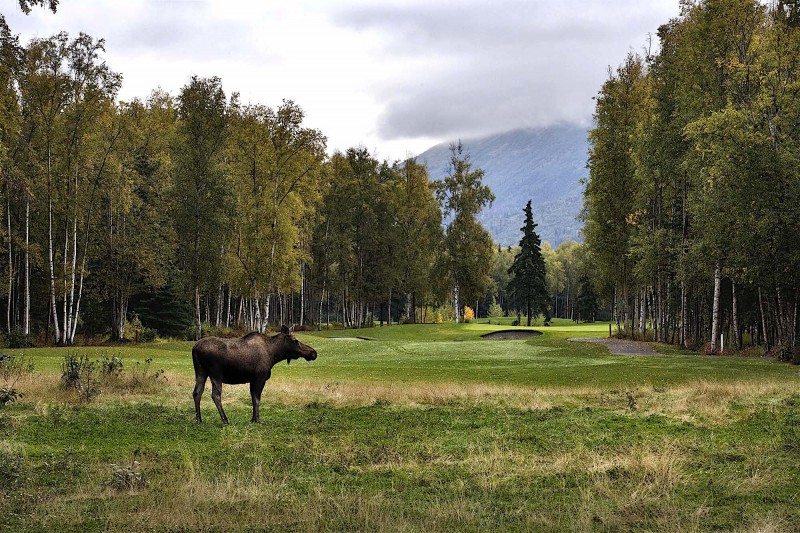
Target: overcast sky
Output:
{"points": [[394, 76]]}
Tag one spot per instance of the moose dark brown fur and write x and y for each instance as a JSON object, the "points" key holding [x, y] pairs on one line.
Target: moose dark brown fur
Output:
{"points": [[248, 359]]}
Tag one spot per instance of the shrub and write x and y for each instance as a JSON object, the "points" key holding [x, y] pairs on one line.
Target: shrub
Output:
{"points": [[495, 311], [8, 394], [148, 335], [11, 369], [111, 366], [188, 333], [141, 374], [469, 314], [128, 477], [79, 373], [210, 330], [443, 314], [12, 366], [17, 339]]}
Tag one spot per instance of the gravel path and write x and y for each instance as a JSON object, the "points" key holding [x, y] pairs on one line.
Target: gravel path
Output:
{"points": [[622, 346]]}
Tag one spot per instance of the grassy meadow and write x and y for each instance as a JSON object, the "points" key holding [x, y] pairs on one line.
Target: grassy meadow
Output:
{"points": [[423, 428]]}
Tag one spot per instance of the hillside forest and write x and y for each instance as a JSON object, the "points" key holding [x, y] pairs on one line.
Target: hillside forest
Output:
{"points": [[692, 207]]}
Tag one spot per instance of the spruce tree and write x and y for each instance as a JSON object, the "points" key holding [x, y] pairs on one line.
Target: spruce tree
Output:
{"points": [[527, 286]]}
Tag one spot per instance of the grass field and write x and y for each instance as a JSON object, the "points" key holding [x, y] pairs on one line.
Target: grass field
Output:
{"points": [[424, 428]]}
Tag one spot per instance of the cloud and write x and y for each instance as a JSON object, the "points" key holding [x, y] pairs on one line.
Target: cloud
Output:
{"points": [[496, 66], [394, 75]]}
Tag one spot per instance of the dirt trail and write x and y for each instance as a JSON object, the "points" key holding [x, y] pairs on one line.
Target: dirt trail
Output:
{"points": [[622, 346]]}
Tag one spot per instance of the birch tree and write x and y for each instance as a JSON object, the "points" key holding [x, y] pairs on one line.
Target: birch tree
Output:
{"points": [[468, 245], [202, 195]]}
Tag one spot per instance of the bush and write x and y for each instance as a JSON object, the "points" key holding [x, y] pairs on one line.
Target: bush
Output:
{"points": [[148, 335], [79, 373], [134, 328], [443, 314], [221, 331], [469, 314], [11, 369], [12, 366], [128, 477], [9, 394], [111, 366], [188, 333], [142, 375], [137, 376], [495, 311], [17, 339]]}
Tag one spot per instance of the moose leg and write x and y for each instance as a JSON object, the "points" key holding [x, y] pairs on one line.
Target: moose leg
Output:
{"points": [[256, 387], [199, 386], [216, 395]]}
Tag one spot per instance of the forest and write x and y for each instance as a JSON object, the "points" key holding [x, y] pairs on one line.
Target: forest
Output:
{"points": [[174, 212], [692, 207]]}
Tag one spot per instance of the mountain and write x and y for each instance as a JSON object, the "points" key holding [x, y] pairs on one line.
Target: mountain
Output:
{"points": [[544, 165]]}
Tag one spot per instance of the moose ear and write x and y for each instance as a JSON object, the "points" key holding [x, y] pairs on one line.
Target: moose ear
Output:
{"points": [[284, 329]]}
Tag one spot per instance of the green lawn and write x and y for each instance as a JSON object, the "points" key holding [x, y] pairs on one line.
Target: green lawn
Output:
{"points": [[435, 353], [425, 428]]}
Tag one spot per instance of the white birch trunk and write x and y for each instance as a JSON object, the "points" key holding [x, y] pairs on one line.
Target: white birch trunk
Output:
{"points": [[265, 323], [64, 280], [684, 316], [53, 308], [197, 324], [763, 319], [737, 338], [302, 292], [457, 303], [715, 310], [10, 262], [228, 308], [643, 314], [72, 319], [26, 316]]}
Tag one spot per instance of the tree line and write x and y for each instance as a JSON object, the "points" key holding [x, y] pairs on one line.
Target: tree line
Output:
{"points": [[199, 208], [692, 206]]}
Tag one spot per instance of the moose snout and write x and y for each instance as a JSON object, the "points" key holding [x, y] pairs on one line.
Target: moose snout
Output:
{"points": [[312, 355]]}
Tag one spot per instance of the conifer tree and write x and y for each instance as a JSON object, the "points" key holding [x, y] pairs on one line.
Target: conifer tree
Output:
{"points": [[528, 286], [587, 300]]}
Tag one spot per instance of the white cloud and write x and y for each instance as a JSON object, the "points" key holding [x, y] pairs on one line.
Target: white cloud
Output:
{"points": [[393, 76]]}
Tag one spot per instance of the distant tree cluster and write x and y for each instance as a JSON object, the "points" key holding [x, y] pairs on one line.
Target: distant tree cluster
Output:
{"points": [[198, 211], [692, 208]]}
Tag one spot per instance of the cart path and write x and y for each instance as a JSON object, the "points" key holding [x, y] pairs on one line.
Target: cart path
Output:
{"points": [[622, 346]]}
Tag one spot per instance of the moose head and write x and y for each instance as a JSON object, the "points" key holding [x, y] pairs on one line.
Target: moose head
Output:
{"points": [[291, 348]]}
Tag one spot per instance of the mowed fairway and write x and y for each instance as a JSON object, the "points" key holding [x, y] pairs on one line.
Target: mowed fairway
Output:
{"points": [[424, 428]]}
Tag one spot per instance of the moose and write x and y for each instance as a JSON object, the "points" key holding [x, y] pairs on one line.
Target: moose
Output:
{"points": [[248, 359]]}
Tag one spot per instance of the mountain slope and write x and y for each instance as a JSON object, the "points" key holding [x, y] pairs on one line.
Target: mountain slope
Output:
{"points": [[544, 165]]}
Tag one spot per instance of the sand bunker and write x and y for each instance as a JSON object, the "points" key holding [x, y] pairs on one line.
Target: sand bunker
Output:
{"points": [[512, 334]]}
